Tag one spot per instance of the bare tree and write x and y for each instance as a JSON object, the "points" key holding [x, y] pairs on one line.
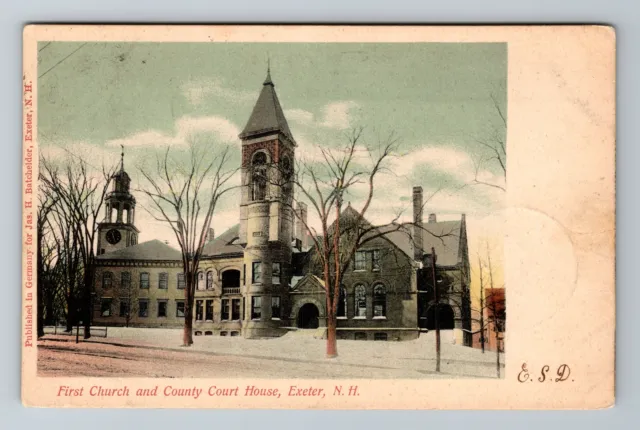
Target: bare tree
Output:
{"points": [[482, 321], [183, 197], [80, 195], [46, 202], [495, 146], [323, 187], [497, 312]]}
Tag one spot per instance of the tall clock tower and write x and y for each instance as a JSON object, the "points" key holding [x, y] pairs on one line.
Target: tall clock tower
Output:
{"points": [[266, 215], [118, 231]]}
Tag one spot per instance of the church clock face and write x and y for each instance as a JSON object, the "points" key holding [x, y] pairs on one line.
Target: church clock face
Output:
{"points": [[113, 236]]}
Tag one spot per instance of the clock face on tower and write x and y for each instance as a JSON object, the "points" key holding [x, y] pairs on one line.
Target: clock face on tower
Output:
{"points": [[113, 236]]}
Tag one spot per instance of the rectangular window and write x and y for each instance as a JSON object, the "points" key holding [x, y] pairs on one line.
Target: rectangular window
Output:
{"points": [[256, 272], [199, 310], [379, 336], [125, 281], [209, 311], [375, 259], [106, 280], [181, 282], [275, 307], [162, 308], [180, 308], [342, 303], [144, 280], [225, 310], [275, 274], [143, 308], [163, 281], [256, 307], [360, 260], [235, 309], [105, 307], [124, 307]]}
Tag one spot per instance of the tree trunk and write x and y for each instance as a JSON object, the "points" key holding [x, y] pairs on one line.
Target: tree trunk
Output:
{"points": [[187, 332], [86, 300], [71, 314], [437, 304], [49, 306], [497, 353], [332, 342]]}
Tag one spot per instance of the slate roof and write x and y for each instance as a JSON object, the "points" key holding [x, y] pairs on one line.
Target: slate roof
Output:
{"points": [[222, 245], [444, 236], [267, 115], [153, 250]]}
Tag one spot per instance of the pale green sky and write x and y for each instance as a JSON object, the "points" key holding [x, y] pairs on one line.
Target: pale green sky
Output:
{"points": [[435, 96]]}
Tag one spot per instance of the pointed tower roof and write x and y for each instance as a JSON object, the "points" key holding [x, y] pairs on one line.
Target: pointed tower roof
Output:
{"points": [[267, 115]]}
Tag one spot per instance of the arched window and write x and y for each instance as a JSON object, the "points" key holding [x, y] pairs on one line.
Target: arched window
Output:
{"points": [[379, 301], [360, 302], [210, 280], [342, 303], [259, 176], [200, 281]]}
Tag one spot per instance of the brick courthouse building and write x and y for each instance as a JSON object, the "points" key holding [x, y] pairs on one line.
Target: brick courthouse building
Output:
{"points": [[255, 279]]}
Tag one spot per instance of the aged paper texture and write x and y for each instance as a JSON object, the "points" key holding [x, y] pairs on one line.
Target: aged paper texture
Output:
{"points": [[319, 217]]}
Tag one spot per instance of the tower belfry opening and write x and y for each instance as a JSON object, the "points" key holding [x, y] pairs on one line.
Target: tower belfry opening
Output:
{"points": [[117, 230]]}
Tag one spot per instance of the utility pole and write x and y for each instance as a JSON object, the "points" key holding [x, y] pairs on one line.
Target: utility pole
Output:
{"points": [[437, 304], [482, 327]]}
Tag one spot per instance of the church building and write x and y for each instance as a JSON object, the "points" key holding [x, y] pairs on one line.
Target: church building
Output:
{"points": [[256, 279]]}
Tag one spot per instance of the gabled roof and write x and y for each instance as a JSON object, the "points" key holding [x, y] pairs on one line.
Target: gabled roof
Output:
{"points": [[306, 282], [267, 115], [444, 236], [153, 250], [224, 244]]}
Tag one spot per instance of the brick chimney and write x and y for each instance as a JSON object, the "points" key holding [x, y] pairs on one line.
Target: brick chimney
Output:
{"points": [[301, 230], [432, 218], [211, 235], [417, 232]]}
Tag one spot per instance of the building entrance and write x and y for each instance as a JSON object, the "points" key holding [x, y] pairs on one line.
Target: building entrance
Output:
{"points": [[308, 316]]}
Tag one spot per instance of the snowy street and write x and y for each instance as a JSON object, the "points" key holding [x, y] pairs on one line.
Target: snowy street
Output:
{"points": [[157, 352]]}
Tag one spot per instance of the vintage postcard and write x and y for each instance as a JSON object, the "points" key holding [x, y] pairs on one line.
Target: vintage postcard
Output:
{"points": [[328, 217]]}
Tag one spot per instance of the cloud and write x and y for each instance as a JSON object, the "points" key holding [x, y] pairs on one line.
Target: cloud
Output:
{"points": [[299, 115], [95, 155], [185, 127], [338, 115], [447, 160], [335, 115], [198, 91]]}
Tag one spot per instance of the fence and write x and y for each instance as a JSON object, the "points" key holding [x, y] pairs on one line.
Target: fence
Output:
{"points": [[96, 331]]}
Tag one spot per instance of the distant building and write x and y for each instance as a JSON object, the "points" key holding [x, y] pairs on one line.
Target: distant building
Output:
{"points": [[494, 319], [257, 279]]}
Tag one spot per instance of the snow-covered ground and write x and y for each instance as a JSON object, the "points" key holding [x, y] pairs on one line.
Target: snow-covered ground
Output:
{"points": [[415, 358]]}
